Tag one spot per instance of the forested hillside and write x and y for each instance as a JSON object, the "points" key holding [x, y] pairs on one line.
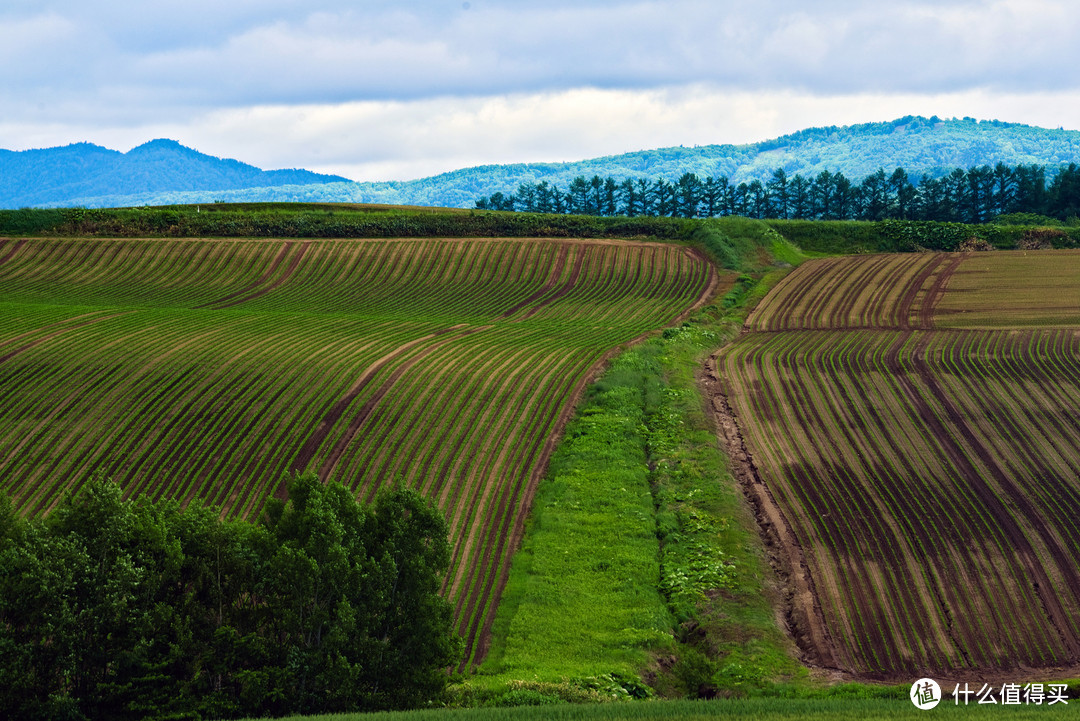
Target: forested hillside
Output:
{"points": [[930, 146]]}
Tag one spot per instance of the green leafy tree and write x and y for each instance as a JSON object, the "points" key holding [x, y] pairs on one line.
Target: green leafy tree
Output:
{"points": [[361, 621], [112, 609]]}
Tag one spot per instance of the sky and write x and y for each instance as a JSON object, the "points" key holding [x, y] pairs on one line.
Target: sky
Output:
{"points": [[394, 90]]}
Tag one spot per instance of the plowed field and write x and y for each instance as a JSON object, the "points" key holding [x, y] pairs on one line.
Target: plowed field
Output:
{"points": [[202, 370], [911, 428]]}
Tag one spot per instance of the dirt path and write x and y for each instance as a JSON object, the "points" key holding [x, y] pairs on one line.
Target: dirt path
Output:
{"points": [[803, 615]]}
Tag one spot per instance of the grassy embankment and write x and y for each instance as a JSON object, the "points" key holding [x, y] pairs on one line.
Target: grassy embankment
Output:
{"points": [[641, 559]]}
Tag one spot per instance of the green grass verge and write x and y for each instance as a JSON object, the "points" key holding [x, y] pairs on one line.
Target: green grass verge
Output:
{"points": [[756, 709], [641, 561], [582, 598]]}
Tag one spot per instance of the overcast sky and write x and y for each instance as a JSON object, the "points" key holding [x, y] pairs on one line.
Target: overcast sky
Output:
{"points": [[384, 90]]}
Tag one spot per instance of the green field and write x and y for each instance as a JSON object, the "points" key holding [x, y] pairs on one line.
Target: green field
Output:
{"points": [[201, 370], [866, 388]]}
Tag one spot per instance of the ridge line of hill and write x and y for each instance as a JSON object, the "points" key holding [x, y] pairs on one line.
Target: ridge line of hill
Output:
{"points": [[919, 145]]}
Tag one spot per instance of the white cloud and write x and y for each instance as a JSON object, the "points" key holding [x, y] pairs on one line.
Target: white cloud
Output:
{"points": [[384, 89], [228, 54]]}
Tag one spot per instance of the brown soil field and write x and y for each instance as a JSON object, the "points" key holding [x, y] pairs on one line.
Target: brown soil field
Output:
{"points": [[914, 459]]}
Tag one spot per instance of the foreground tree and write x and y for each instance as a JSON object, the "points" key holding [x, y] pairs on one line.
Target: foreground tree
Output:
{"points": [[116, 609]]}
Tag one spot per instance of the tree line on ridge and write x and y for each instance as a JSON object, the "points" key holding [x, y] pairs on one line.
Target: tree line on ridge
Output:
{"points": [[975, 195]]}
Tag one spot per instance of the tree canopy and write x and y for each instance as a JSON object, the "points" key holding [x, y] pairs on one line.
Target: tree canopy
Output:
{"points": [[115, 609], [975, 195]]}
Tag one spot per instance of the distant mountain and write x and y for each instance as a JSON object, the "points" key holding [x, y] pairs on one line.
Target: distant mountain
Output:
{"points": [[919, 145], [60, 176]]}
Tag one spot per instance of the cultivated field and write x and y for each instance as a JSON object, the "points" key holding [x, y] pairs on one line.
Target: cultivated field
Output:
{"points": [[911, 428], [202, 370]]}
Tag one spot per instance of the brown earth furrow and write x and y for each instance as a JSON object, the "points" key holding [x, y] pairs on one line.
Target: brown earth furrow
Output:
{"points": [[993, 580], [269, 273], [115, 397], [817, 302], [498, 552], [712, 283], [1042, 480], [943, 579], [32, 486], [874, 295], [880, 309], [991, 502], [187, 421], [861, 504], [330, 419], [365, 410], [27, 346], [779, 318], [556, 271], [837, 518], [16, 338], [449, 458], [289, 271], [803, 614], [933, 295], [12, 250], [566, 287], [856, 287], [911, 292], [942, 592], [499, 464]]}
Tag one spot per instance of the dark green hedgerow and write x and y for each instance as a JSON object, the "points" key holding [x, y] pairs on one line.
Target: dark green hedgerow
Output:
{"points": [[890, 236], [324, 221]]}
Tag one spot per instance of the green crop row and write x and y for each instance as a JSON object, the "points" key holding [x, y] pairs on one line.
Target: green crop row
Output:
{"points": [[199, 370]]}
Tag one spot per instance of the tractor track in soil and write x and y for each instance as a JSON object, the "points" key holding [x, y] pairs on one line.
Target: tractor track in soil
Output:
{"points": [[330, 418], [257, 289], [802, 616], [11, 251], [365, 410]]}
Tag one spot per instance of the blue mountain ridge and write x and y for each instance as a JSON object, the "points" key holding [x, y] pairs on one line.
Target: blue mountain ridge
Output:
{"points": [[160, 171], [57, 176]]}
